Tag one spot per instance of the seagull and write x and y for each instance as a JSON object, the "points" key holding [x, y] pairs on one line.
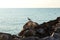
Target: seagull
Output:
{"points": [[29, 19]]}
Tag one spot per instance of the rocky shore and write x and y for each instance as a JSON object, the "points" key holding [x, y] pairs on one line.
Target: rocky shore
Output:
{"points": [[33, 31]]}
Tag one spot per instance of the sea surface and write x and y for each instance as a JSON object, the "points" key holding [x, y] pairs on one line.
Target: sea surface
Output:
{"points": [[13, 19]]}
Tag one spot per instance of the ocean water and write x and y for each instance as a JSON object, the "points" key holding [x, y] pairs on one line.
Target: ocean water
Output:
{"points": [[13, 19]]}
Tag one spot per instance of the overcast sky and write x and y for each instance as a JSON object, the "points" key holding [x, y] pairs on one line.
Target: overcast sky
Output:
{"points": [[29, 3]]}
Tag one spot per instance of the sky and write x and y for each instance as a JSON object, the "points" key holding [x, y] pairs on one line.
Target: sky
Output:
{"points": [[13, 19], [29, 3]]}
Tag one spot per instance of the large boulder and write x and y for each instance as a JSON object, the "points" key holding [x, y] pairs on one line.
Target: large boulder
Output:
{"points": [[28, 29]]}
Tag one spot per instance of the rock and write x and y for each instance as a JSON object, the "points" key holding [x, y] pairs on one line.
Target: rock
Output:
{"points": [[14, 37], [31, 38], [5, 36], [28, 29]]}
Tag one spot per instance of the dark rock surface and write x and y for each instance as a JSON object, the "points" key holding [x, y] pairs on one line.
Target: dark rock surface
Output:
{"points": [[5, 36]]}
